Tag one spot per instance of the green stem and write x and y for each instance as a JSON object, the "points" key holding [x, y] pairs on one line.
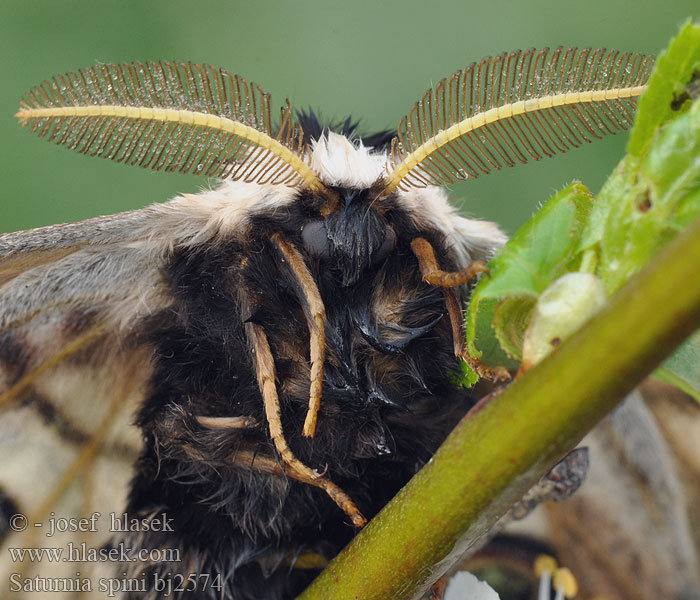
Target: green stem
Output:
{"points": [[498, 452]]}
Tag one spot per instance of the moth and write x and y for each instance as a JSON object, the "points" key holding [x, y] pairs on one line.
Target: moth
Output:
{"points": [[242, 377]]}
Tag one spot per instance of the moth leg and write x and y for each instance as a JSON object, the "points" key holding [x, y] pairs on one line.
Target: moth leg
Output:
{"points": [[306, 560], [437, 592], [560, 483], [433, 275], [266, 464], [315, 313], [227, 422], [265, 372]]}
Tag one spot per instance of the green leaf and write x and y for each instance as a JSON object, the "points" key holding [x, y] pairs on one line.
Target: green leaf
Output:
{"points": [[613, 189], [671, 171], [468, 377], [541, 251], [673, 70], [510, 320], [648, 201], [624, 200], [490, 350], [682, 369], [652, 195]]}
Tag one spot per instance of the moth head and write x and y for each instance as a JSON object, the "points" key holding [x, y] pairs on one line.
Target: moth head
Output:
{"points": [[350, 230], [506, 109]]}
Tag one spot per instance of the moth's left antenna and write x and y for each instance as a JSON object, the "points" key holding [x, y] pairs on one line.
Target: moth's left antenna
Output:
{"points": [[173, 116]]}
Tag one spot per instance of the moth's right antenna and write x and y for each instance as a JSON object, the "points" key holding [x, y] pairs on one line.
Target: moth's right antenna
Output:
{"points": [[513, 108]]}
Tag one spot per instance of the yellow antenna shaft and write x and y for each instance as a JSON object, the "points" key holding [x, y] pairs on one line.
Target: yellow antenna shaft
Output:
{"points": [[496, 114], [187, 117]]}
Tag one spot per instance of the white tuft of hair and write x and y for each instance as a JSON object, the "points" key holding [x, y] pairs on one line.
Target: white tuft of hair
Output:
{"points": [[344, 163], [470, 239]]}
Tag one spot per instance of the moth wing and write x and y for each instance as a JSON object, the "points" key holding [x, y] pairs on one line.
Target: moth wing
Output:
{"points": [[73, 370], [630, 530]]}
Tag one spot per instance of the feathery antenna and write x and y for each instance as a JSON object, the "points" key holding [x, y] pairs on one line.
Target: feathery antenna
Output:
{"points": [[512, 108], [174, 116]]}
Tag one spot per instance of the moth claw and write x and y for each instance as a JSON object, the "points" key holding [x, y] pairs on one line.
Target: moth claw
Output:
{"points": [[321, 473]]}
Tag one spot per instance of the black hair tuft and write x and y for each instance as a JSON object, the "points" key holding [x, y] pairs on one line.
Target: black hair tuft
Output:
{"points": [[313, 129]]}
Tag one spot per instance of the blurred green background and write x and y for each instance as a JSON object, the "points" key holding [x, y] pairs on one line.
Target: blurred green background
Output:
{"points": [[369, 59]]}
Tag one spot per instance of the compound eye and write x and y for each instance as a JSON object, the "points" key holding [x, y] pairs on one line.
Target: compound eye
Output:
{"points": [[387, 246], [315, 239]]}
